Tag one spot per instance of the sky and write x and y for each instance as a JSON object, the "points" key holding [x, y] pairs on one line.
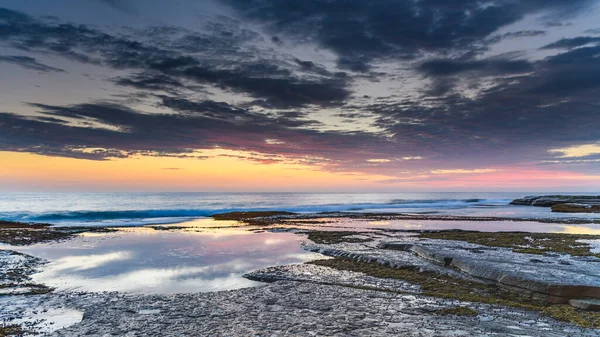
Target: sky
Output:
{"points": [[284, 95]]}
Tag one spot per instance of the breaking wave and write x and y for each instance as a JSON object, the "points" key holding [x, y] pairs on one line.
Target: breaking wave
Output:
{"points": [[140, 217]]}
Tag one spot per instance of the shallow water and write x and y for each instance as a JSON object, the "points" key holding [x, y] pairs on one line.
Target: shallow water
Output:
{"points": [[145, 260], [341, 223]]}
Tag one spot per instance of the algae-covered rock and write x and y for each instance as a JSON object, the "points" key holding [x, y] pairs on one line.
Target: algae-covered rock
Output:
{"points": [[563, 203], [576, 208]]}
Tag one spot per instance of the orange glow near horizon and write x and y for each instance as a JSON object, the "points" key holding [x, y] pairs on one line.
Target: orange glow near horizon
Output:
{"points": [[24, 171], [31, 172]]}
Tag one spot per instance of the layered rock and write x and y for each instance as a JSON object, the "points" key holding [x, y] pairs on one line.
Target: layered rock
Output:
{"points": [[563, 203], [554, 278], [576, 208]]}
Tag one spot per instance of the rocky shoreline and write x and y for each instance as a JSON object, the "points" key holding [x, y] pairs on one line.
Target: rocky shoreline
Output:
{"points": [[380, 282], [563, 203]]}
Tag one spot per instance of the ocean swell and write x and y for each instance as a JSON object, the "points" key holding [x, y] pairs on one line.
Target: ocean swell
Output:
{"points": [[174, 215]]}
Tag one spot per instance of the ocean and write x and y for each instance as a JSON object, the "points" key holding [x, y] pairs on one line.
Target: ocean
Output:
{"points": [[137, 209]]}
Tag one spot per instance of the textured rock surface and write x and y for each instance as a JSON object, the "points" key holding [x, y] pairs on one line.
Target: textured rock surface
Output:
{"points": [[576, 208], [560, 277], [15, 269], [323, 275], [580, 203], [371, 252], [563, 277], [306, 309]]}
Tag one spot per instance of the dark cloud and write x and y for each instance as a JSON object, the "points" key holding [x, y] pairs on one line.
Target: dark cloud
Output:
{"points": [[553, 23], [360, 31], [521, 117], [516, 35], [574, 74], [571, 43], [485, 67], [499, 110], [115, 131], [283, 91], [225, 65], [149, 81], [29, 63], [121, 5]]}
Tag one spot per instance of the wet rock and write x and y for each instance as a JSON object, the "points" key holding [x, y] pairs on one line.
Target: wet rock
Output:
{"points": [[309, 309], [576, 208], [524, 201], [557, 280], [323, 275], [563, 203]]}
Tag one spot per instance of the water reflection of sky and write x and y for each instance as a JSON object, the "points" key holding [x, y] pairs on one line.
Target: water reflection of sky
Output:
{"points": [[206, 255], [145, 260], [492, 210], [336, 224]]}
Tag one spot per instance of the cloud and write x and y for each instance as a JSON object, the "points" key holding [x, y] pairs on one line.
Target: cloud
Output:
{"points": [[149, 81], [464, 171], [116, 131], [515, 35], [592, 31], [29, 63], [121, 5], [577, 151], [162, 62], [410, 77], [362, 31], [505, 116], [571, 43], [483, 67]]}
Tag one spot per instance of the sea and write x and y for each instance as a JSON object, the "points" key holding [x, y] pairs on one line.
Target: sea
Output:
{"points": [[138, 209]]}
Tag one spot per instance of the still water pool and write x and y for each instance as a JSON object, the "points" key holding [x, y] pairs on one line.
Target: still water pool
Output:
{"points": [[195, 258]]}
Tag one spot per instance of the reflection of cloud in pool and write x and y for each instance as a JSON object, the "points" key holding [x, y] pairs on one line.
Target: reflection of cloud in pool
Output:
{"points": [[156, 261], [85, 262], [179, 280], [215, 277], [274, 241]]}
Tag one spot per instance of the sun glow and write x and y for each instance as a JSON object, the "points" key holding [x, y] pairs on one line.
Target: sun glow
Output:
{"points": [[221, 171]]}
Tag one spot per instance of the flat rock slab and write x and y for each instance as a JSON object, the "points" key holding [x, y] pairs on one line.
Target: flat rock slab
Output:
{"points": [[557, 278], [589, 305], [371, 252], [551, 200], [563, 277], [324, 275], [288, 308]]}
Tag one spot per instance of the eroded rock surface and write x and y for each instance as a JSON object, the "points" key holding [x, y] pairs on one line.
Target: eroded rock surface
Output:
{"points": [[307, 309], [562, 277], [323, 275], [15, 269], [563, 203], [557, 278]]}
